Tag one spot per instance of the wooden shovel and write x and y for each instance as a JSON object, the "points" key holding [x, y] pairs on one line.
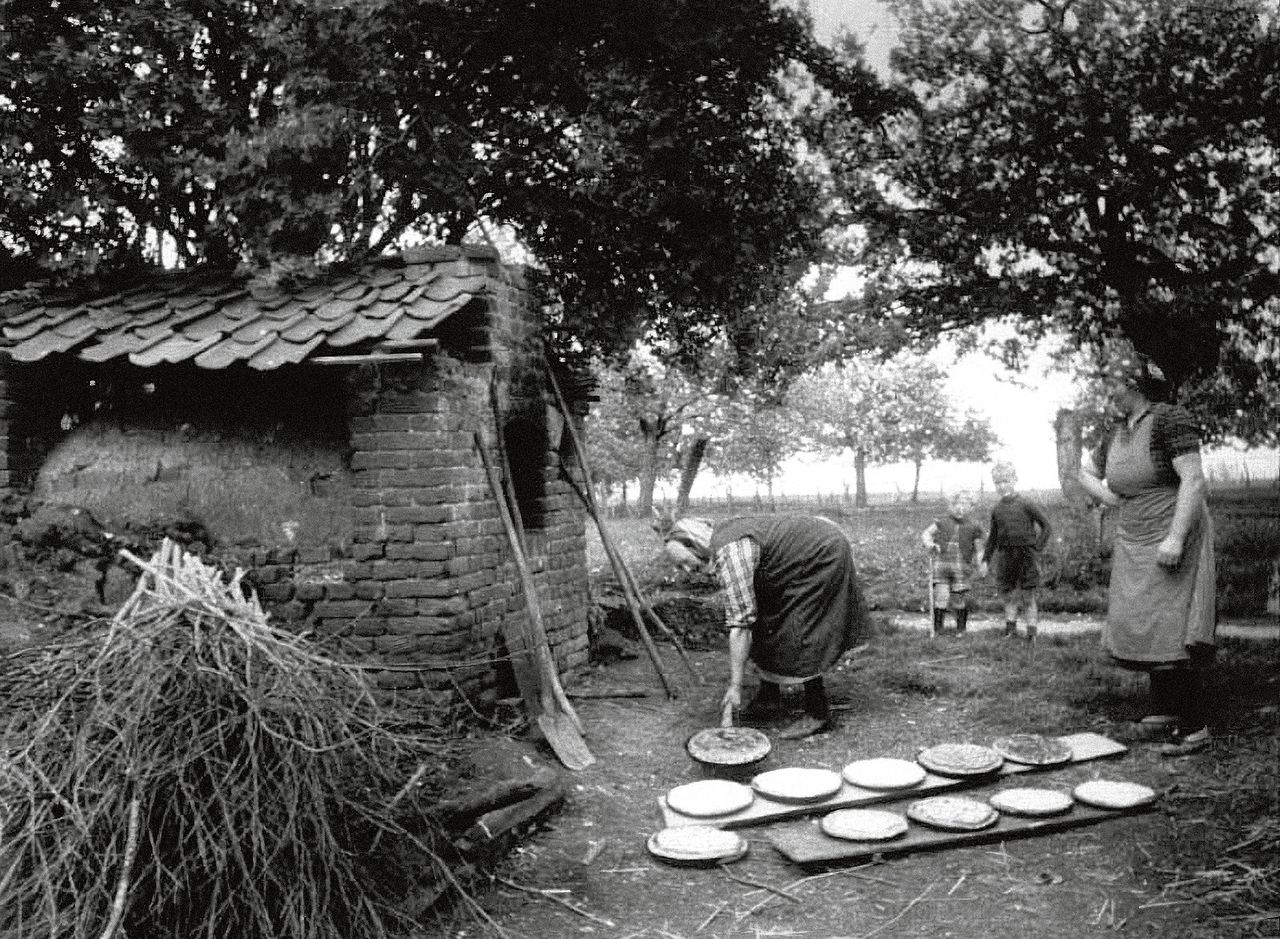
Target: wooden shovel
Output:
{"points": [[556, 718]]}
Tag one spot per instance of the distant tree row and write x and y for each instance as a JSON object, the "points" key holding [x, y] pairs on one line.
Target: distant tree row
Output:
{"points": [[656, 423]]}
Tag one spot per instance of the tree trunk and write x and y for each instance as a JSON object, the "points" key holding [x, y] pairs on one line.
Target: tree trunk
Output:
{"points": [[1067, 435], [860, 477], [915, 487], [652, 434], [690, 463]]}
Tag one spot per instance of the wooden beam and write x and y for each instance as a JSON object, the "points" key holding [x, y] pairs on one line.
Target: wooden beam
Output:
{"points": [[368, 358], [400, 345]]}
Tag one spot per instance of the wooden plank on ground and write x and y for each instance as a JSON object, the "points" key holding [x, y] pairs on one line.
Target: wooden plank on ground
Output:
{"points": [[762, 811], [805, 843]]}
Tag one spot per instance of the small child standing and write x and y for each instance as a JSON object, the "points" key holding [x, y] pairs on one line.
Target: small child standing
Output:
{"points": [[1019, 532], [952, 541]]}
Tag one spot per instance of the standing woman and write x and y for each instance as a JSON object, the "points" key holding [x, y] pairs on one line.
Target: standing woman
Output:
{"points": [[1161, 614]]}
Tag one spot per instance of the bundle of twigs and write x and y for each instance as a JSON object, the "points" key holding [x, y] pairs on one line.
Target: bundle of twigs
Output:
{"points": [[193, 771]]}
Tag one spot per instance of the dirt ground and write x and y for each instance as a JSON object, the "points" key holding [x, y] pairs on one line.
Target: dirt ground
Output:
{"points": [[586, 870]]}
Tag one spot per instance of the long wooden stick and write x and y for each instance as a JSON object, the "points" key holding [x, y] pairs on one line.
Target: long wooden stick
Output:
{"points": [[615, 559], [542, 648], [621, 569], [648, 610]]}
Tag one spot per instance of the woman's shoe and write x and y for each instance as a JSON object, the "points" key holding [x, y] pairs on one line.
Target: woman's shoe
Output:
{"points": [[805, 726], [762, 711], [1154, 731], [1186, 744]]}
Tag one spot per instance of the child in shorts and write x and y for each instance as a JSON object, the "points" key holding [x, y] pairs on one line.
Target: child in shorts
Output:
{"points": [[952, 541], [1019, 532]]}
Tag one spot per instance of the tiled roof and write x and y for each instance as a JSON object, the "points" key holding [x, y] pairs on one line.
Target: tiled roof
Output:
{"points": [[218, 320]]}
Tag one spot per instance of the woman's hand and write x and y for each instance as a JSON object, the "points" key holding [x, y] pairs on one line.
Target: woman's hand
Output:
{"points": [[1169, 552], [732, 698]]}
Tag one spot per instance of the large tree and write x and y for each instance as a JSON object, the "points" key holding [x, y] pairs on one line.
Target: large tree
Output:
{"points": [[648, 155], [1095, 167]]}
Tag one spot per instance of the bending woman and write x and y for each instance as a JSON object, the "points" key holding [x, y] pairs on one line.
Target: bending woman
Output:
{"points": [[793, 607]]}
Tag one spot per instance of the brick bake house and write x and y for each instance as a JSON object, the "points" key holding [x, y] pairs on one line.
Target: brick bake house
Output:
{"points": [[400, 362]]}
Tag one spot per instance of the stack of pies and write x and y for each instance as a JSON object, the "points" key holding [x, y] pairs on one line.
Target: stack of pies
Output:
{"points": [[797, 784], [960, 759], [1113, 794], [708, 798], [728, 746], [1033, 803], [883, 773], [1032, 749], [863, 824], [953, 813], [696, 844]]}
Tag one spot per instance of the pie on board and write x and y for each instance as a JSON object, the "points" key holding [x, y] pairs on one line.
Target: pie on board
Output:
{"points": [[1114, 794], [696, 844], [960, 759], [728, 746], [1032, 749], [797, 784], [884, 772], [1031, 802], [863, 824], [952, 813], [708, 798]]}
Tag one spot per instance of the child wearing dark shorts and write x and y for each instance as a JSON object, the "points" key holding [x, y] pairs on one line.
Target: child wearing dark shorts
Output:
{"points": [[1019, 531]]}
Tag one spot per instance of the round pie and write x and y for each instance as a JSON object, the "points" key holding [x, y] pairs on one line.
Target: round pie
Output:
{"points": [[1035, 803], [883, 773], [953, 813], [960, 759], [797, 784], [1032, 749], [863, 824], [1113, 794], [728, 746], [708, 798], [696, 844]]}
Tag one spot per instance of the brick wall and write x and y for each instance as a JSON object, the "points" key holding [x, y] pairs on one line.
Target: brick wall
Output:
{"points": [[429, 590]]}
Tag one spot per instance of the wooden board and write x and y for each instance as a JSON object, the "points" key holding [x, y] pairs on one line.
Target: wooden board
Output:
{"points": [[804, 842], [762, 811]]}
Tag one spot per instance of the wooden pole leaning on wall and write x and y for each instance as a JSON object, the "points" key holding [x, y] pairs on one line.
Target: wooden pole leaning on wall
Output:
{"points": [[630, 589], [557, 719]]}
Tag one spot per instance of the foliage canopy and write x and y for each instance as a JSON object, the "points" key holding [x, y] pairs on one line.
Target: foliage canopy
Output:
{"points": [[648, 155], [1092, 167]]}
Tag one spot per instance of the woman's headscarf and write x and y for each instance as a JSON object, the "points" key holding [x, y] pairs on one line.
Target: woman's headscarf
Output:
{"points": [[687, 542], [1139, 371]]}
